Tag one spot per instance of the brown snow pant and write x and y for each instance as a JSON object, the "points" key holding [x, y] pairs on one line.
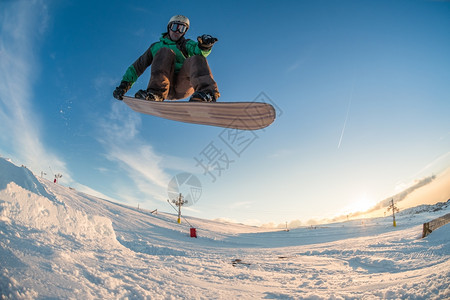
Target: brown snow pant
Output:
{"points": [[194, 75]]}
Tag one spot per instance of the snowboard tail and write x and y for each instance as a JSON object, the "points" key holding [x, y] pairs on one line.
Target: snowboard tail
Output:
{"points": [[236, 115]]}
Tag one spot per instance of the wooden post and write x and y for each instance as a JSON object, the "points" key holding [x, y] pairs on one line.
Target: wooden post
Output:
{"points": [[426, 229]]}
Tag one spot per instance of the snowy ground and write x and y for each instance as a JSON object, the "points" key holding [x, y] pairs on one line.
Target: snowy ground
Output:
{"points": [[56, 242]]}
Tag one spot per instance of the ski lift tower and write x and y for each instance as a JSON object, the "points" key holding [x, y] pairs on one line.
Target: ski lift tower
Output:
{"points": [[179, 202], [394, 210], [57, 177]]}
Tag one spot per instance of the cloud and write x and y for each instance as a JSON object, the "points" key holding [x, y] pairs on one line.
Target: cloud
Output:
{"points": [[294, 66], [141, 162], [22, 24], [436, 165], [242, 205], [120, 136]]}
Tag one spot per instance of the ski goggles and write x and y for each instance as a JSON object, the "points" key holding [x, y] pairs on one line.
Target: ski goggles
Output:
{"points": [[181, 28]]}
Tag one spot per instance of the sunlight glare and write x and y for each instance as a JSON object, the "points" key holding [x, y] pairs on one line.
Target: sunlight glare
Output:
{"points": [[363, 204]]}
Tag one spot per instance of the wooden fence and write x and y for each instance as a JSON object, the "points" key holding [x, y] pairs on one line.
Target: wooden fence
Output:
{"points": [[435, 224]]}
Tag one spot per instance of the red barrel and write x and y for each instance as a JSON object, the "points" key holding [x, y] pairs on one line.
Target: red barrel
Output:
{"points": [[193, 232]]}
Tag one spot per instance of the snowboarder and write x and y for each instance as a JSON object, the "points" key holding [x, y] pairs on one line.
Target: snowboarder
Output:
{"points": [[179, 68]]}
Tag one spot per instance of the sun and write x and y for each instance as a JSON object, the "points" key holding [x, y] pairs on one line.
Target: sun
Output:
{"points": [[362, 204]]}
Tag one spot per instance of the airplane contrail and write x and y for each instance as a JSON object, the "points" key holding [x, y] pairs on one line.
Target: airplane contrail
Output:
{"points": [[346, 117]]}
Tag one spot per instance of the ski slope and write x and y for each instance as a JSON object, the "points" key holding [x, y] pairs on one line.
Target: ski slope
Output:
{"points": [[56, 242]]}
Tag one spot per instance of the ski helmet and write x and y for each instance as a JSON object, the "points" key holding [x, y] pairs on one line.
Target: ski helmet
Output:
{"points": [[178, 19]]}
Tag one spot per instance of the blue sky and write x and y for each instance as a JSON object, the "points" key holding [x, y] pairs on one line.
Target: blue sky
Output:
{"points": [[362, 91]]}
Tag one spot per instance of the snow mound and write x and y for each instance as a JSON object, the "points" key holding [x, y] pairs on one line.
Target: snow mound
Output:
{"points": [[20, 176], [24, 201], [37, 212]]}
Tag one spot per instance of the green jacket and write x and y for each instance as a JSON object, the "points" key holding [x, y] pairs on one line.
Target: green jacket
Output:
{"points": [[183, 49]]}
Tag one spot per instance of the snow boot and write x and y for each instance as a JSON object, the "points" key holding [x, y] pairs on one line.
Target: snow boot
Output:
{"points": [[146, 95], [202, 97]]}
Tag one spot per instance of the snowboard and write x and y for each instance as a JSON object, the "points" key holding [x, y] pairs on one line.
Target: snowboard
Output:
{"points": [[236, 115]]}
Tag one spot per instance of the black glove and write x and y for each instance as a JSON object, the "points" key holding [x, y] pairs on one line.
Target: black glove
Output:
{"points": [[206, 41], [121, 90]]}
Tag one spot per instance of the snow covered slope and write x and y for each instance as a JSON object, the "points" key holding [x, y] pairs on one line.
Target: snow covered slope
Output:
{"points": [[56, 242]]}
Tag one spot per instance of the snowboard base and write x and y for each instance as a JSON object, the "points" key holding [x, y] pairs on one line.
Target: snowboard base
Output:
{"points": [[237, 115]]}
